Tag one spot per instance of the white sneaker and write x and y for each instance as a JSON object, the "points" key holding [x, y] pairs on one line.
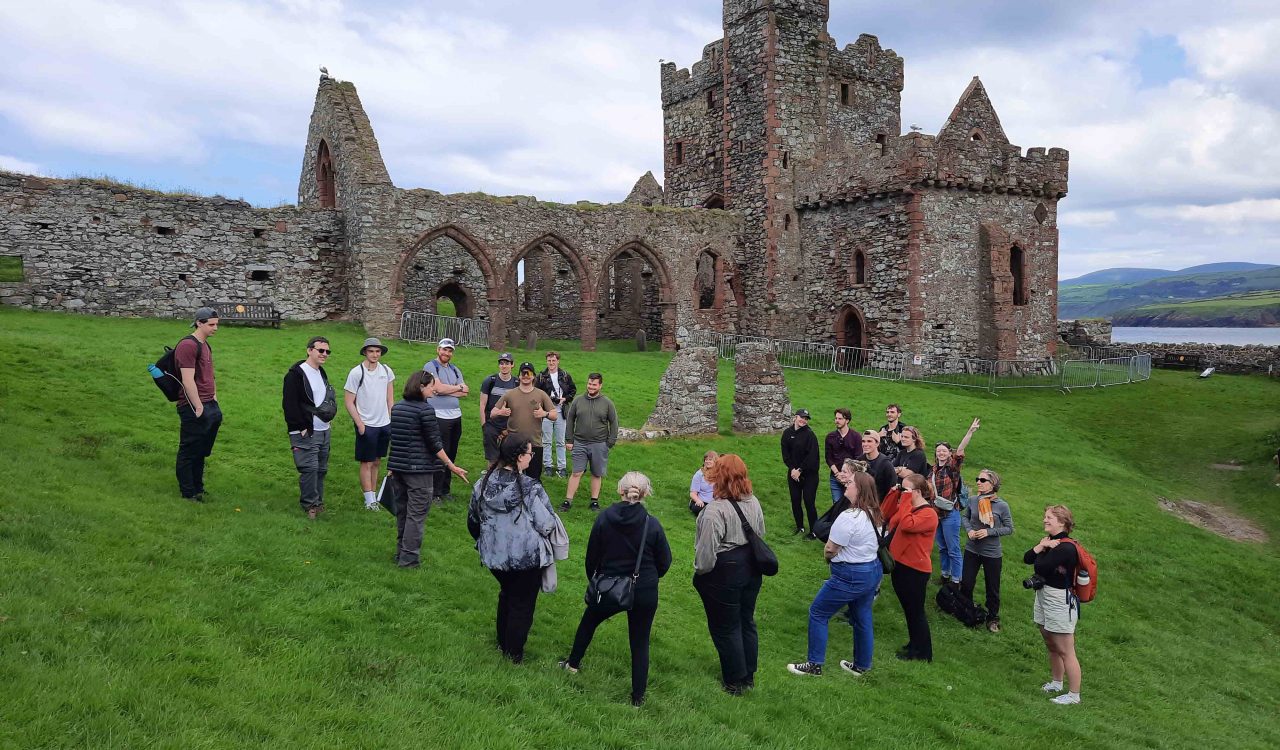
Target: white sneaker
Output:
{"points": [[375, 505], [1052, 686], [1066, 699]]}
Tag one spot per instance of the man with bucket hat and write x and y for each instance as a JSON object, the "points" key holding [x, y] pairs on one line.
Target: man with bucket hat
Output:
{"points": [[369, 396]]}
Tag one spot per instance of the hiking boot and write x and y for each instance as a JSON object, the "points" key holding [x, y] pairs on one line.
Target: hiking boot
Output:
{"points": [[595, 505], [566, 505], [994, 625], [566, 666], [805, 668], [848, 667]]}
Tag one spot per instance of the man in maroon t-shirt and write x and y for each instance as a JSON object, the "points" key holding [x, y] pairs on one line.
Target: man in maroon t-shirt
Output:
{"points": [[200, 416]]}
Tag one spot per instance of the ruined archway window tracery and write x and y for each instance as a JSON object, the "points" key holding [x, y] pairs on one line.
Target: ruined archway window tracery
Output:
{"points": [[325, 187]]}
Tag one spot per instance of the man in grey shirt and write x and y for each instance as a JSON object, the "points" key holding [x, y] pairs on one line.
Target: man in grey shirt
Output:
{"points": [[449, 388], [591, 429]]}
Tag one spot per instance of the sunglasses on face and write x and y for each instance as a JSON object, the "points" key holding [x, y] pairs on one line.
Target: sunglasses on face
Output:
{"points": [[322, 351], [982, 479]]}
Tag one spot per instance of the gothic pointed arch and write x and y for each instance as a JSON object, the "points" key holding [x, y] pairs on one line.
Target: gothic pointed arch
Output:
{"points": [[326, 185], [851, 327], [549, 285], [635, 291], [715, 200], [473, 247], [579, 264], [667, 293]]}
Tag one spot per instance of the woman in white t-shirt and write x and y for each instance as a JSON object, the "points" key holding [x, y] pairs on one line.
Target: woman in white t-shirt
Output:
{"points": [[855, 577]]}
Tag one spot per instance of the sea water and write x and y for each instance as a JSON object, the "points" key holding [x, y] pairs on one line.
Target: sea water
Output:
{"points": [[1239, 336]]}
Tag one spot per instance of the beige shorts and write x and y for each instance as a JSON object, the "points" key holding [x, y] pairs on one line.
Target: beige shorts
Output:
{"points": [[1055, 611]]}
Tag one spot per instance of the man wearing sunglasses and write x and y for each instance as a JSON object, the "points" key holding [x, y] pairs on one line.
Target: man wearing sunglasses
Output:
{"points": [[309, 405]]}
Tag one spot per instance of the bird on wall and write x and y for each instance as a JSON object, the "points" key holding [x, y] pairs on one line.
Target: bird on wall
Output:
{"points": [[324, 72], [916, 128]]}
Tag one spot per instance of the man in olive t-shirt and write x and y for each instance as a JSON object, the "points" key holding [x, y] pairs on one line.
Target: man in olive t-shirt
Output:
{"points": [[525, 408]]}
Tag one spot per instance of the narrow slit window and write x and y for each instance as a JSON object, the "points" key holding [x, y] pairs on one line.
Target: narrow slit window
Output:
{"points": [[844, 93]]}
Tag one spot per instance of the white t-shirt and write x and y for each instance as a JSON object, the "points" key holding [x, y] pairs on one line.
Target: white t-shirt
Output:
{"points": [[856, 535], [371, 396], [317, 394]]}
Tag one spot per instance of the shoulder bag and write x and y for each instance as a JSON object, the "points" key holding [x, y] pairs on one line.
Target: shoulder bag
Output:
{"points": [[614, 591], [766, 562], [882, 551]]}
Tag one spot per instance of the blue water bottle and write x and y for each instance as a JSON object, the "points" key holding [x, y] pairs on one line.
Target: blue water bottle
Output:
{"points": [[156, 372]]}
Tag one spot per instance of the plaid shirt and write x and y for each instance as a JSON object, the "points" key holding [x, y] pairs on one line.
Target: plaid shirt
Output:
{"points": [[946, 477]]}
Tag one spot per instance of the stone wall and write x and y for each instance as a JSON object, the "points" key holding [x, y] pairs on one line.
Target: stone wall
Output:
{"points": [[1085, 332], [1227, 358], [445, 269], [687, 395], [761, 401], [97, 247]]}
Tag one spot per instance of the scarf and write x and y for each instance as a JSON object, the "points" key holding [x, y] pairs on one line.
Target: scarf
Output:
{"points": [[984, 511]]}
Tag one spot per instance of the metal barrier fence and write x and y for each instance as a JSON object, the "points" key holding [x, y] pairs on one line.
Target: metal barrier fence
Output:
{"points": [[1073, 367], [423, 326]]}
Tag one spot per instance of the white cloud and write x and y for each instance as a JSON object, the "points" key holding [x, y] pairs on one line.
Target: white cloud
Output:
{"points": [[1099, 218], [1236, 213], [14, 164]]}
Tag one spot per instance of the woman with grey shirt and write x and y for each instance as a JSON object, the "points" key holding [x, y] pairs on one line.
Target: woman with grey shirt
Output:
{"points": [[985, 520], [725, 574]]}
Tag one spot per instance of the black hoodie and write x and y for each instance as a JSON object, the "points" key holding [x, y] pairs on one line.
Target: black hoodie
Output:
{"points": [[615, 540]]}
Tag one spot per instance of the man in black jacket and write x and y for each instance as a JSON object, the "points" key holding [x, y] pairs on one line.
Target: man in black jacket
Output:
{"points": [[309, 405], [800, 454], [557, 384]]}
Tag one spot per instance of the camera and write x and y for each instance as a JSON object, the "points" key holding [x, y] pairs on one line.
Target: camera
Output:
{"points": [[1034, 582]]}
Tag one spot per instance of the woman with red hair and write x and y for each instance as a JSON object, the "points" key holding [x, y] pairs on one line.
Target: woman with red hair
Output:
{"points": [[725, 574], [912, 520]]}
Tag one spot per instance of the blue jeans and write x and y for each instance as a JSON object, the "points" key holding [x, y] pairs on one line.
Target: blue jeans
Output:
{"points": [[837, 489], [553, 443], [947, 538], [853, 584]]}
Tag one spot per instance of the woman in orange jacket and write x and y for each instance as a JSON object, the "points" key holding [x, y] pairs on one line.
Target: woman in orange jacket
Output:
{"points": [[912, 521]]}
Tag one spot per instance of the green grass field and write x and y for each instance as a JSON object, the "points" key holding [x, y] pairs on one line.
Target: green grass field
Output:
{"points": [[1249, 309], [131, 618]]}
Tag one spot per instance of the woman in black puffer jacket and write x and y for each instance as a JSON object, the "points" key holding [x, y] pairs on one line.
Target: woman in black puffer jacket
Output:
{"points": [[620, 535], [415, 458]]}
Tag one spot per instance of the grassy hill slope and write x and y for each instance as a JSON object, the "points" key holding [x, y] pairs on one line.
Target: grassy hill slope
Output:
{"points": [[131, 618], [1248, 310], [1101, 300]]}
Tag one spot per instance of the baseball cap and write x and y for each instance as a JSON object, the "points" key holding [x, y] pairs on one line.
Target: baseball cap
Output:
{"points": [[446, 343], [204, 313], [802, 413], [506, 357], [527, 366]]}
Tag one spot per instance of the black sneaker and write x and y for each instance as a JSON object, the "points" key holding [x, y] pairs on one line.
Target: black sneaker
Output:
{"points": [[566, 505], [637, 700], [565, 473], [806, 668], [848, 667], [595, 505], [799, 530]]}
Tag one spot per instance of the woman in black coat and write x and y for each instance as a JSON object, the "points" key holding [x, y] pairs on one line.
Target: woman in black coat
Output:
{"points": [[615, 543]]}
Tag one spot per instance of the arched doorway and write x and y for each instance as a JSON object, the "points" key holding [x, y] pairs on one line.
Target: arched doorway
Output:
{"points": [[851, 339], [325, 185], [633, 292], [453, 299]]}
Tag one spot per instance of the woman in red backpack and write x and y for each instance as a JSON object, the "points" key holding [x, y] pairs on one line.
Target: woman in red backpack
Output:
{"points": [[1056, 610]]}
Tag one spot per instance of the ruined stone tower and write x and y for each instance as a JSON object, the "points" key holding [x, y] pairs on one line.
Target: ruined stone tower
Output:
{"points": [[852, 232]]}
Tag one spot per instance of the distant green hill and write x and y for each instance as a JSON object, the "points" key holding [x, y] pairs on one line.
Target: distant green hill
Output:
{"points": [[1248, 310], [1102, 300], [1132, 275]]}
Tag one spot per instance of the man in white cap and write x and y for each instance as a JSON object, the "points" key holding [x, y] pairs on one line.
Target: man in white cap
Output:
{"points": [[449, 388], [200, 416], [369, 396]]}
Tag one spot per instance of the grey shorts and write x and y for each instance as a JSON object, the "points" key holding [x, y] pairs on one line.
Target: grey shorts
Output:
{"points": [[595, 454], [1055, 611]]}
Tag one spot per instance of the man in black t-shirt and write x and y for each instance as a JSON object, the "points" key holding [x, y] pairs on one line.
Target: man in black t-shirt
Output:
{"points": [[878, 466], [891, 432], [491, 427]]}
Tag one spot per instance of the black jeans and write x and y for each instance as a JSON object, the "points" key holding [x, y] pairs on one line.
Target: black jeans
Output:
{"points": [[990, 567], [729, 594], [639, 624], [517, 597], [910, 584], [195, 443], [450, 435], [805, 490]]}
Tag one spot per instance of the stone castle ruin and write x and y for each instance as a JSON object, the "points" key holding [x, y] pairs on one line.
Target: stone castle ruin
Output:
{"points": [[793, 207]]}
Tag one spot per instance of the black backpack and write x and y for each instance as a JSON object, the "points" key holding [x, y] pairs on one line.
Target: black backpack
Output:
{"points": [[165, 372], [959, 606], [822, 526]]}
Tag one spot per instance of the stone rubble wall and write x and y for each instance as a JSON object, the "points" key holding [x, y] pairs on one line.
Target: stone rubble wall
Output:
{"points": [[761, 400], [687, 395], [1085, 332], [95, 247], [1226, 358]]}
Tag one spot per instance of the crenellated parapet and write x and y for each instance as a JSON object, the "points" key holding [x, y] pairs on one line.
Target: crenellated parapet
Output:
{"points": [[865, 61], [682, 84]]}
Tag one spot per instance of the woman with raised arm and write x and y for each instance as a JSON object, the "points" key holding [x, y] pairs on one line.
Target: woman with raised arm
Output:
{"points": [[856, 573], [912, 521], [947, 488], [725, 574]]}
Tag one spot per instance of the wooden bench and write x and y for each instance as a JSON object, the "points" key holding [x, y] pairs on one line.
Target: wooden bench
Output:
{"points": [[1187, 360], [248, 312]]}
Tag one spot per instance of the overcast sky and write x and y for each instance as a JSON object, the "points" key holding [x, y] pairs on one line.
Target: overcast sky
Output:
{"points": [[1171, 110]]}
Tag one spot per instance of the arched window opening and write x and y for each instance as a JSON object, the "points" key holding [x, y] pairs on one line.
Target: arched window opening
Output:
{"points": [[715, 200], [453, 300], [707, 286], [1017, 269], [976, 135], [324, 177], [786, 222], [859, 267]]}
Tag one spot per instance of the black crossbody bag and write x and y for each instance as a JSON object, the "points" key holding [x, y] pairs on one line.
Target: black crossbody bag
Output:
{"points": [[764, 558], [615, 591]]}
